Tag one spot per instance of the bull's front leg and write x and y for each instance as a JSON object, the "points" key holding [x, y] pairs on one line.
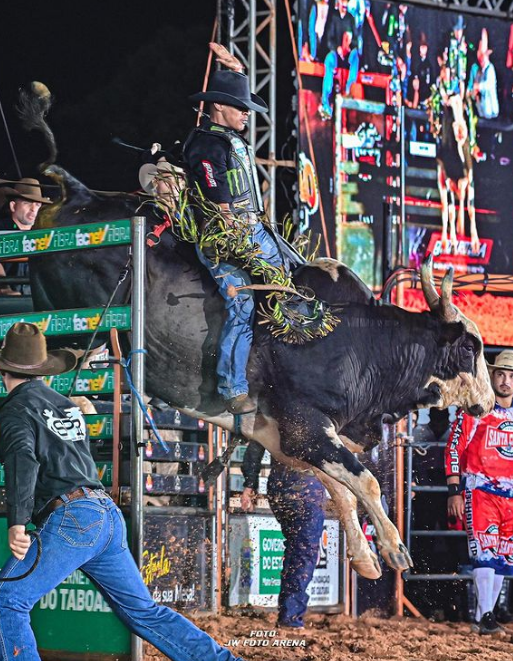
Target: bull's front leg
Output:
{"points": [[462, 192], [361, 557], [452, 219], [311, 436], [474, 237], [442, 188]]}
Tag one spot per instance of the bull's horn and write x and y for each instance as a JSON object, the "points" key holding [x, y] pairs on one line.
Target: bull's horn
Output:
{"points": [[447, 310], [426, 280]]}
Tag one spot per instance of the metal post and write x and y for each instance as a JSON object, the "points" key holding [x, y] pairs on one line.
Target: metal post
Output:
{"points": [[401, 230], [216, 568], [137, 427], [252, 68], [388, 228]]}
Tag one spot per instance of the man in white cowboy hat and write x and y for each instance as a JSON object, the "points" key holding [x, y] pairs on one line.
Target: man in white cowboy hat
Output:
{"points": [[222, 167], [51, 479], [163, 180], [479, 469], [482, 81], [24, 199]]}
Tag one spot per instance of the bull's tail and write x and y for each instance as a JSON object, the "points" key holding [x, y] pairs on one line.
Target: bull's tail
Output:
{"points": [[33, 106]]}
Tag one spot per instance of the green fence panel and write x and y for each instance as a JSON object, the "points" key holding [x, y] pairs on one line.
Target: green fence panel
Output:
{"points": [[67, 322], [89, 382], [58, 239], [100, 425]]}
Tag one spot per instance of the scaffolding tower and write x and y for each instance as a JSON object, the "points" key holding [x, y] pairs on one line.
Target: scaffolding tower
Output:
{"points": [[248, 29]]}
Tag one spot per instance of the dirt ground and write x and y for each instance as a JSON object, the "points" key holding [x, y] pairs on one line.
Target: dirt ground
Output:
{"points": [[340, 638]]}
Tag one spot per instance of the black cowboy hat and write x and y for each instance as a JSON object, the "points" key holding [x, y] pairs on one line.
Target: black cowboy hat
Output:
{"points": [[231, 89], [24, 352], [459, 23]]}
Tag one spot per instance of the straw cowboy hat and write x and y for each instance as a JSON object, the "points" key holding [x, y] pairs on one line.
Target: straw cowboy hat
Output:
{"points": [[149, 171], [483, 43], [503, 361], [26, 189], [231, 88], [24, 352]]}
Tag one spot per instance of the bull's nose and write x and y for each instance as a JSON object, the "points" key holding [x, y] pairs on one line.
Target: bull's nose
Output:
{"points": [[476, 410]]}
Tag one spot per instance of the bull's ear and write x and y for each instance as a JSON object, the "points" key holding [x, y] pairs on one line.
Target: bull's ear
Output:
{"points": [[450, 332]]}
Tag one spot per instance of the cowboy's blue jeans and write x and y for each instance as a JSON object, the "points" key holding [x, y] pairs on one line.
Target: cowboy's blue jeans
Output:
{"points": [[297, 502], [330, 64], [237, 334], [90, 534]]}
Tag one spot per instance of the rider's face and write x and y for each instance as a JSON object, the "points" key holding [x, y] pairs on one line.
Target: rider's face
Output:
{"points": [[232, 117]]}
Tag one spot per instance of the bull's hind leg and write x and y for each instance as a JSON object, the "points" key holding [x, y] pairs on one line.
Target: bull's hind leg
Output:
{"points": [[311, 436]]}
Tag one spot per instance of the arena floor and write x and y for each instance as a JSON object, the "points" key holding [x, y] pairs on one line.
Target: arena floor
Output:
{"points": [[340, 638]]}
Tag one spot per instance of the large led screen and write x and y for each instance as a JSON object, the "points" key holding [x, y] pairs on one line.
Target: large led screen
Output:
{"points": [[406, 136]]}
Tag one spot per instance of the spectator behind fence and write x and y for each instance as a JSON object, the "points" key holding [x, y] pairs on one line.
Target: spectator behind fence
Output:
{"points": [[23, 201], [297, 501]]}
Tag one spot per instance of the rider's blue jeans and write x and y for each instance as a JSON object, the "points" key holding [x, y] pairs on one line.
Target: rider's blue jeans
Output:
{"points": [[90, 534], [237, 334]]}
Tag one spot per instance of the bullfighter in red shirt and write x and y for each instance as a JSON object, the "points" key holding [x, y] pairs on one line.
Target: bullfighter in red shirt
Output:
{"points": [[479, 469]]}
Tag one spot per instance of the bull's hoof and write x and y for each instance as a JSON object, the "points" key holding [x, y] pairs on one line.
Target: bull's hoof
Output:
{"points": [[367, 567], [398, 559]]}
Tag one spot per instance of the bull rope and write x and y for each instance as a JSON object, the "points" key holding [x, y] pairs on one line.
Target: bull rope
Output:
{"points": [[125, 364], [10, 142], [122, 277]]}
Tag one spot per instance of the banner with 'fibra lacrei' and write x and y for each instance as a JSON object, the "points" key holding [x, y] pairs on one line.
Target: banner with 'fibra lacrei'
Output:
{"points": [[57, 239], [68, 322], [89, 382]]}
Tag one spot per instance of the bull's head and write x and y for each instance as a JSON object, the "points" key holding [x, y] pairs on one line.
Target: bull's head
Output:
{"points": [[471, 388]]}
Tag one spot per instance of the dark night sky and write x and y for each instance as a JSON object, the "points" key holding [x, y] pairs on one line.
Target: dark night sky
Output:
{"points": [[115, 69]]}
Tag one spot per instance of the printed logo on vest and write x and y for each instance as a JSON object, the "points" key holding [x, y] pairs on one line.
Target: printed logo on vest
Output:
{"points": [[209, 174], [501, 438], [71, 428], [489, 539]]}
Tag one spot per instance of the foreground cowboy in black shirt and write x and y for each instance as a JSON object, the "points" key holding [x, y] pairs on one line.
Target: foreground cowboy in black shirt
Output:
{"points": [[51, 478]]}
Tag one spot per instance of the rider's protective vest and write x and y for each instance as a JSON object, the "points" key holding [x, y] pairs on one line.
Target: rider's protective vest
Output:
{"points": [[241, 170]]}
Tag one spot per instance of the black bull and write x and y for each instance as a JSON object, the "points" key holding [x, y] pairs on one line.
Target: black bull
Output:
{"points": [[317, 403]]}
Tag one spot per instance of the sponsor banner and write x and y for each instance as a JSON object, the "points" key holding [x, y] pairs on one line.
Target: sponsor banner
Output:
{"points": [[176, 560], [105, 472], [92, 235], [99, 426], [67, 322], [88, 383], [256, 554]]}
